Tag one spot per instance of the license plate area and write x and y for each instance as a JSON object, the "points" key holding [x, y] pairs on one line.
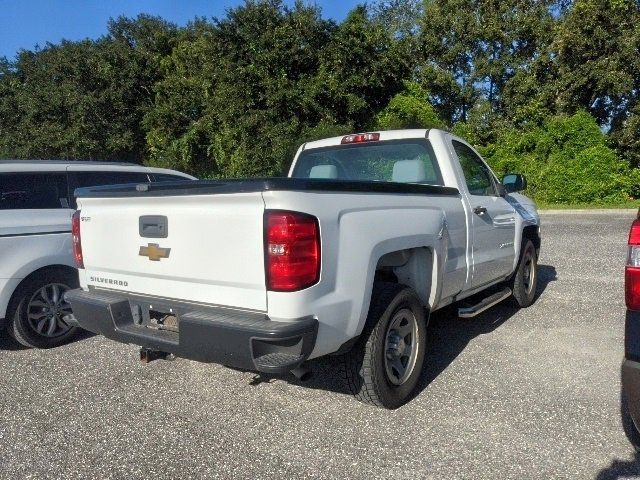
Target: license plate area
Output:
{"points": [[155, 316]]}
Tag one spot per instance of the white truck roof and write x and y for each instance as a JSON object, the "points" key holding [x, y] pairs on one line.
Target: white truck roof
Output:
{"points": [[80, 165]]}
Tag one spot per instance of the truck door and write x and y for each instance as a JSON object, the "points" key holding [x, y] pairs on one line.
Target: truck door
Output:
{"points": [[493, 220]]}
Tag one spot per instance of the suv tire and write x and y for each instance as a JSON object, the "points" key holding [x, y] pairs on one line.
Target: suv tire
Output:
{"points": [[39, 307]]}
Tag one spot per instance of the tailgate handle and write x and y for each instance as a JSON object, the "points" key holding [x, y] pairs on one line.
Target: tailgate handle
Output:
{"points": [[153, 226]]}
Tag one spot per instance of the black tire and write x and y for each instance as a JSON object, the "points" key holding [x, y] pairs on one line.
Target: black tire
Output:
{"points": [[524, 281], [19, 326], [629, 426], [365, 367]]}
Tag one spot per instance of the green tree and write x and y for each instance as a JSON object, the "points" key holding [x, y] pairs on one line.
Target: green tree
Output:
{"points": [[84, 99], [471, 50], [361, 68], [181, 122], [8, 107], [409, 109], [400, 18], [626, 136], [238, 93], [550, 88], [596, 59]]}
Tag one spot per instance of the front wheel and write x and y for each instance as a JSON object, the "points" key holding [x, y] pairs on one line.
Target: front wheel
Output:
{"points": [[384, 366], [38, 319], [524, 282]]}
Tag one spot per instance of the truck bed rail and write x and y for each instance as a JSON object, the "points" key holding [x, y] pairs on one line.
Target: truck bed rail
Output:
{"points": [[209, 187]]}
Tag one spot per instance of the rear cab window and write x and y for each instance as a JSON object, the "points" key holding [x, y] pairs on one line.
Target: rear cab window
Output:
{"points": [[400, 161], [41, 190]]}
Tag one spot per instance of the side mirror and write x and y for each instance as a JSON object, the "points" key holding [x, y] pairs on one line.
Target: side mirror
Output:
{"points": [[514, 182]]}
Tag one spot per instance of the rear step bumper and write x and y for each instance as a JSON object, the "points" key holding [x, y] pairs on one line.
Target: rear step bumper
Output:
{"points": [[235, 338]]}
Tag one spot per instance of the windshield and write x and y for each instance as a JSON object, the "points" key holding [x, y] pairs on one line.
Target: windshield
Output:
{"points": [[401, 161]]}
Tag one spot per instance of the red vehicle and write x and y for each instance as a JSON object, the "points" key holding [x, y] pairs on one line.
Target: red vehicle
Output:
{"points": [[631, 364]]}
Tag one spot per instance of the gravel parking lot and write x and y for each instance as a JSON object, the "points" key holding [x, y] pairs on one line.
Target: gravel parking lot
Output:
{"points": [[510, 394]]}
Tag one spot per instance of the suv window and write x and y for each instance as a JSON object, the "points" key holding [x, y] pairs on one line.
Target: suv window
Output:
{"points": [[33, 190], [476, 173], [166, 177], [96, 179]]}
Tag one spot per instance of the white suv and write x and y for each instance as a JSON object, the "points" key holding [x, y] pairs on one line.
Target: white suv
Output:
{"points": [[36, 259]]}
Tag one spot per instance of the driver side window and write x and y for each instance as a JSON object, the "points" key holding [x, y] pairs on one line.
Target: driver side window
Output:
{"points": [[476, 173]]}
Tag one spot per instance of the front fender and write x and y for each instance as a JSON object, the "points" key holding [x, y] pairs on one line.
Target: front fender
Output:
{"points": [[527, 215]]}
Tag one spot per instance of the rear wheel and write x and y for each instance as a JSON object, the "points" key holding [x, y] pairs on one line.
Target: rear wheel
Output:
{"points": [[40, 308], [384, 366], [525, 279]]}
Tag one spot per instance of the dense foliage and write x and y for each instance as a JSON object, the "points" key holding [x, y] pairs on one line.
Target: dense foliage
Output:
{"points": [[566, 160], [548, 88]]}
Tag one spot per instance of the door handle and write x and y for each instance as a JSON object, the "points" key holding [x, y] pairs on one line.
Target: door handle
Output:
{"points": [[153, 226], [480, 210]]}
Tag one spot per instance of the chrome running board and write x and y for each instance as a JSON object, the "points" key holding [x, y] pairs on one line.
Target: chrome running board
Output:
{"points": [[484, 304]]}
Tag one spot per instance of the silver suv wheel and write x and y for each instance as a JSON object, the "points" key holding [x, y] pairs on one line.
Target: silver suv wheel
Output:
{"points": [[46, 310]]}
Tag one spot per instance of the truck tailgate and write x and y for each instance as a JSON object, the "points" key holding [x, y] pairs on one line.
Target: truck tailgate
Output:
{"points": [[211, 251]]}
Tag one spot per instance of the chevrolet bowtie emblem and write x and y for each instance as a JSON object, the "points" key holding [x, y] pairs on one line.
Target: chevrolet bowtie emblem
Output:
{"points": [[154, 252]]}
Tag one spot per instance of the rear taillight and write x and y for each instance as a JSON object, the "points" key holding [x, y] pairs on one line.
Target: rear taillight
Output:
{"points": [[632, 270], [75, 236], [292, 250]]}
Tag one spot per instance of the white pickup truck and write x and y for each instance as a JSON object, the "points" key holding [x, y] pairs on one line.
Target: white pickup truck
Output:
{"points": [[349, 255]]}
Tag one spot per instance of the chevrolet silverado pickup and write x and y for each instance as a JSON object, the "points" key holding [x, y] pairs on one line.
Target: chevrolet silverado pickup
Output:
{"points": [[348, 255]]}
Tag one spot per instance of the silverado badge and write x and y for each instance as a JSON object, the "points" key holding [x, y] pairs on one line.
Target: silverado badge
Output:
{"points": [[154, 252]]}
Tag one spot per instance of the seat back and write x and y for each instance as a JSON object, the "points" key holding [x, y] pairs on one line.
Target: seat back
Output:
{"points": [[409, 171], [324, 171]]}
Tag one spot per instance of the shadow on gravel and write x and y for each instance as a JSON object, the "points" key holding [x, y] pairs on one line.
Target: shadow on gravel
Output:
{"points": [[624, 468], [621, 469], [546, 275], [9, 344], [447, 337]]}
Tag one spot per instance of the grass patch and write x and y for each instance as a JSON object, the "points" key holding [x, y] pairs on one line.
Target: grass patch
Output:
{"points": [[631, 204]]}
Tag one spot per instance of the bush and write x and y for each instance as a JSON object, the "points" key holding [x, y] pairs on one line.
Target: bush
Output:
{"points": [[594, 175], [567, 160]]}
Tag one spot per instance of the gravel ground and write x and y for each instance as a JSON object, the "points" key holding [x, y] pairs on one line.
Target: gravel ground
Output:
{"points": [[510, 394]]}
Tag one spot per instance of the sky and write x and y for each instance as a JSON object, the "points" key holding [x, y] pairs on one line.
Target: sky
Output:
{"points": [[27, 23]]}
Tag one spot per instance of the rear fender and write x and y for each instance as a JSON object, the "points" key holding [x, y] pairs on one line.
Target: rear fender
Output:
{"points": [[415, 262]]}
